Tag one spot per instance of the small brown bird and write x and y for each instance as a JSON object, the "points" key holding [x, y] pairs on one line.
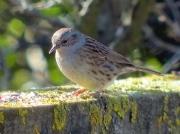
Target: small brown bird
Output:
{"points": [[88, 62]]}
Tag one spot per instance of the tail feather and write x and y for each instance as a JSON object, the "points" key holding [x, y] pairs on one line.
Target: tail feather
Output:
{"points": [[143, 69]]}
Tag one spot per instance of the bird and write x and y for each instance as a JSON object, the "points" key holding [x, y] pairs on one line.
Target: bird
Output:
{"points": [[88, 62]]}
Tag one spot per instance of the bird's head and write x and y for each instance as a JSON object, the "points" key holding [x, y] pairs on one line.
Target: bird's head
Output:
{"points": [[66, 39]]}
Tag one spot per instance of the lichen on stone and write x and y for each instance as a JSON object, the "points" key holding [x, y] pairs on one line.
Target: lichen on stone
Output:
{"points": [[134, 111], [36, 130], [95, 117], [177, 114], [107, 116], [60, 114], [53, 95], [166, 119], [2, 118], [23, 113], [158, 84], [101, 118], [178, 122], [122, 105]]}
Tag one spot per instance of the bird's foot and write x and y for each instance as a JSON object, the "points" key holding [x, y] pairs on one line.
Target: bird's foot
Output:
{"points": [[78, 92]]}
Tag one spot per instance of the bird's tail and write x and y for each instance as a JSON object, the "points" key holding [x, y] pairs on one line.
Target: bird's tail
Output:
{"points": [[143, 69]]}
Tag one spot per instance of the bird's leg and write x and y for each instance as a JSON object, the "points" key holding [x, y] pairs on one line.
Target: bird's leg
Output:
{"points": [[78, 92]]}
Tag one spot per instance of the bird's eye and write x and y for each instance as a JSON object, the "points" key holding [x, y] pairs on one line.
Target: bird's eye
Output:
{"points": [[64, 41]]}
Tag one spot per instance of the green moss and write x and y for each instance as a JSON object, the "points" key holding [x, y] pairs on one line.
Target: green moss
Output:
{"points": [[23, 113], [36, 130], [166, 102], [2, 118], [153, 84], [100, 119], [60, 117], [107, 118], [165, 119], [177, 111], [134, 111], [95, 117], [119, 100], [177, 114], [178, 122], [95, 114], [122, 105]]}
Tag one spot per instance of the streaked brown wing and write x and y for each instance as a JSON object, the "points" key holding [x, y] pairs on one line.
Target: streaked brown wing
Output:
{"points": [[103, 54]]}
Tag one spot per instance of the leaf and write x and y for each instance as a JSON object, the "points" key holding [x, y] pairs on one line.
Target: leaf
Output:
{"points": [[55, 74], [11, 59], [16, 27], [3, 41], [57, 77], [20, 77], [53, 11], [154, 63]]}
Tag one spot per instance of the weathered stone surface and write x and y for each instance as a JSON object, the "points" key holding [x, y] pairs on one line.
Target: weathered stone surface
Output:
{"points": [[131, 106]]}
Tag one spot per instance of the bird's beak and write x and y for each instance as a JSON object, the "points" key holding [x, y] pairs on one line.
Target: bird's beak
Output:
{"points": [[53, 48]]}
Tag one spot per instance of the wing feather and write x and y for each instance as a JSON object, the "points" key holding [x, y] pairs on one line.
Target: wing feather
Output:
{"points": [[103, 54]]}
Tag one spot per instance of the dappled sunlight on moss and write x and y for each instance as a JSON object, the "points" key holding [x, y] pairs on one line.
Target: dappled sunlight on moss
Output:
{"points": [[168, 83], [123, 88]]}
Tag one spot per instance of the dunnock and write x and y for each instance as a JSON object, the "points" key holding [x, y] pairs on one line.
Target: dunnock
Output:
{"points": [[88, 62]]}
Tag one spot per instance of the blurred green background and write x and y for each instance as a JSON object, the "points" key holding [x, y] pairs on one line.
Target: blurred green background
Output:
{"points": [[147, 31]]}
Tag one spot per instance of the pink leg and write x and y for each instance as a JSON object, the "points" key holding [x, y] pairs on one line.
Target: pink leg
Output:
{"points": [[78, 92]]}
